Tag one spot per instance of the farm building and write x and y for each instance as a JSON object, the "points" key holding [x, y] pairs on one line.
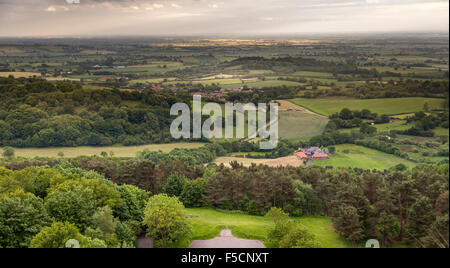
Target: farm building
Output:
{"points": [[105, 79], [301, 155], [320, 156], [312, 153]]}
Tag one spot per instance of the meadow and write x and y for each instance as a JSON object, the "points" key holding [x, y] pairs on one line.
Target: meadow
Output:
{"points": [[313, 74], [389, 106], [441, 132], [119, 151], [395, 125], [424, 149], [354, 156], [207, 224], [296, 122], [299, 124]]}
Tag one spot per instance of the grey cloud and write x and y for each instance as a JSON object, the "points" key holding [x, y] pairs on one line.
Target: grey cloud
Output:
{"points": [[47, 17]]}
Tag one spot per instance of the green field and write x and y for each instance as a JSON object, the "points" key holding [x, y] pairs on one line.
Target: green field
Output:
{"points": [[153, 68], [441, 132], [405, 71], [119, 151], [361, 157], [396, 125], [260, 84], [307, 74], [299, 124], [390, 106], [151, 80], [210, 222]]}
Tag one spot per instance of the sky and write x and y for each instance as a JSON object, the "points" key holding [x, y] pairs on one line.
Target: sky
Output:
{"points": [[215, 17]]}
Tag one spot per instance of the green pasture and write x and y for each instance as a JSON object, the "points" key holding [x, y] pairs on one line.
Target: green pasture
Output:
{"points": [[389, 106], [354, 156]]}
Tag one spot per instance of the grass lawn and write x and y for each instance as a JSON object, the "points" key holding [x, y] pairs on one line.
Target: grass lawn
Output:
{"points": [[361, 157], [210, 222], [119, 151], [389, 106], [299, 124]]}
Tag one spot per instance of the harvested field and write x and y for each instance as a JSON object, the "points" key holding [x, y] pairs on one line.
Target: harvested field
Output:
{"points": [[19, 74], [282, 161], [289, 106], [119, 151]]}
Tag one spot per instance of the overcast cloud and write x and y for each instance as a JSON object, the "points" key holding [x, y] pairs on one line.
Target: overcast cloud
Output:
{"points": [[190, 17]]}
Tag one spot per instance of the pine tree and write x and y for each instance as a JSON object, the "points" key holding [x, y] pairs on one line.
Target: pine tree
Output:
{"points": [[421, 218], [347, 223], [387, 228]]}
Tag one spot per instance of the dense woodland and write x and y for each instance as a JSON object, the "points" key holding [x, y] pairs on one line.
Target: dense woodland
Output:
{"points": [[38, 113], [45, 207], [393, 206]]}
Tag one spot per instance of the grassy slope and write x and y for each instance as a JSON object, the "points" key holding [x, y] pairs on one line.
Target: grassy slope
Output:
{"points": [[361, 157], [119, 151], [298, 124], [391, 106], [210, 222]]}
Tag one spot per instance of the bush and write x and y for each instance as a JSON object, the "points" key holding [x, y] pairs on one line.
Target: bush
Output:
{"points": [[8, 152]]}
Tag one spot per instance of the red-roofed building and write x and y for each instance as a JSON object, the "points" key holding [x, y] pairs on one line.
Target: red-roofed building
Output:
{"points": [[301, 155], [320, 156], [104, 79], [157, 87]]}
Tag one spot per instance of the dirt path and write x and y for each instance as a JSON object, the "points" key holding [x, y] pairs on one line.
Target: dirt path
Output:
{"points": [[226, 240], [287, 105]]}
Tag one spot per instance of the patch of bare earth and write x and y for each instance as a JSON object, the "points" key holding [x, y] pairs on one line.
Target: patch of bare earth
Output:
{"points": [[289, 106], [226, 240]]}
